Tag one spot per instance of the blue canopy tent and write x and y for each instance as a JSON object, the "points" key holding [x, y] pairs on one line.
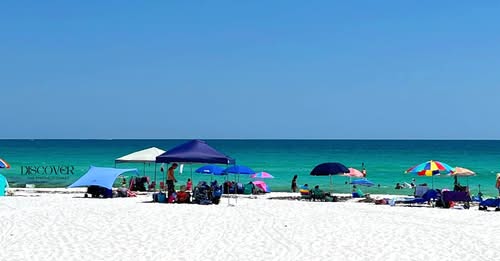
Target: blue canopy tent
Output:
{"points": [[194, 151], [98, 176]]}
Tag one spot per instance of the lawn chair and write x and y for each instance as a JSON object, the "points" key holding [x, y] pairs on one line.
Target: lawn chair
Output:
{"points": [[305, 193], [420, 190], [456, 196], [358, 194], [427, 197], [248, 189], [317, 194], [491, 202], [152, 186]]}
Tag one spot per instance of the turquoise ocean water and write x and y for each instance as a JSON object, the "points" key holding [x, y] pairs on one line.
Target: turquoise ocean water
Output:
{"points": [[385, 160]]}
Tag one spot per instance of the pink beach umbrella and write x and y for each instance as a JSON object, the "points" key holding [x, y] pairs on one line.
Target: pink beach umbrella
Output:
{"points": [[463, 172], [262, 175], [262, 185], [354, 173]]}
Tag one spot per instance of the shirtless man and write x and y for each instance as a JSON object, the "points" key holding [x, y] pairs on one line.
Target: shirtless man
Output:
{"points": [[171, 178]]}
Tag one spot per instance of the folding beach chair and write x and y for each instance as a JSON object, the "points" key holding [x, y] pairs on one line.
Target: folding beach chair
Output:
{"points": [[305, 194], [420, 191]]}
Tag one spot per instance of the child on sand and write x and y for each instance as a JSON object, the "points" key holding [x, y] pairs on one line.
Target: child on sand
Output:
{"points": [[189, 185]]}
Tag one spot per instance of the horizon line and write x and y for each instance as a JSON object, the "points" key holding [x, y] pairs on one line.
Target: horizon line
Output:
{"points": [[265, 139]]}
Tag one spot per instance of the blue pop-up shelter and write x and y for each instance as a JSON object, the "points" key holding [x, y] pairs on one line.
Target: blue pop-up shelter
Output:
{"points": [[98, 176], [194, 151]]}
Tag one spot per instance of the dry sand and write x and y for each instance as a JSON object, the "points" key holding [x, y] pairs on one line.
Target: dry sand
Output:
{"points": [[41, 226]]}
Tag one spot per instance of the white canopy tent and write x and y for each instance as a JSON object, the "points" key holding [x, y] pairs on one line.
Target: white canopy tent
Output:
{"points": [[142, 156]]}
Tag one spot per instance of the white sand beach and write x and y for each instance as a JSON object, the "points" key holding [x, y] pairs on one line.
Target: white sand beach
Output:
{"points": [[43, 226]]}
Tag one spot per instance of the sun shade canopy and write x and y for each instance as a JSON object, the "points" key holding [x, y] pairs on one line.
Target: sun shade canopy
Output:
{"points": [[98, 176]]}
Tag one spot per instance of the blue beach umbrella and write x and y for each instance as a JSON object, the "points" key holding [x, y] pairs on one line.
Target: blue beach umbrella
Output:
{"points": [[329, 169], [211, 169], [362, 182], [239, 169]]}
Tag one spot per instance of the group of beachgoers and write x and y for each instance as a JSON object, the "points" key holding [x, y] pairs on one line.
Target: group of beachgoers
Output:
{"points": [[443, 198]]}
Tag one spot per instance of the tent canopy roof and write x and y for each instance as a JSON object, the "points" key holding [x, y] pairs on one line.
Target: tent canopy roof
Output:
{"points": [[98, 176], [145, 155], [194, 151]]}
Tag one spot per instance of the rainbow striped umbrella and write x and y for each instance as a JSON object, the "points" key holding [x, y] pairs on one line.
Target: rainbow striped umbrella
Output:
{"points": [[4, 164], [430, 168]]}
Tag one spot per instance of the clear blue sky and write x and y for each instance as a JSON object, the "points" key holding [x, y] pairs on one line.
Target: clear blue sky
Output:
{"points": [[250, 69]]}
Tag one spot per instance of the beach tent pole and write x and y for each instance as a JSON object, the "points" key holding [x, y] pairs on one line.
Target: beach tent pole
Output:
{"points": [[155, 178], [144, 171], [331, 184]]}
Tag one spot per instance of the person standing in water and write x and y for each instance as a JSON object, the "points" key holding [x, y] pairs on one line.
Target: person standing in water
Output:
{"points": [[363, 170], [294, 184]]}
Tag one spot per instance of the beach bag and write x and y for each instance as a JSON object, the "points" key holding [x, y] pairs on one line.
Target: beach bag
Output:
{"points": [[183, 197], [162, 197], [172, 198]]}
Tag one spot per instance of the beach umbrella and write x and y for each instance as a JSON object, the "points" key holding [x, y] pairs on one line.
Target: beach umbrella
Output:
{"points": [[262, 185], [462, 172], [329, 169], [430, 169], [4, 164], [262, 175], [354, 173], [362, 182], [239, 169], [211, 169]]}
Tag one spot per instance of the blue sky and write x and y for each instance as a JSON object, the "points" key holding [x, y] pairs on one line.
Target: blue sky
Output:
{"points": [[250, 69]]}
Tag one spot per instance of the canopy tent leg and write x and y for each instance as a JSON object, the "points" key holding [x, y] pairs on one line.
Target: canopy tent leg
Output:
{"points": [[155, 178]]}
